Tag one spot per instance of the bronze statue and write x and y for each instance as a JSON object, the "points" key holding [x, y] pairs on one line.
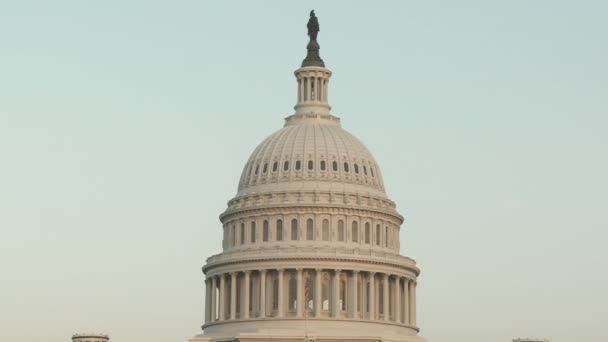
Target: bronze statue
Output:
{"points": [[312, 55], [313, 26]]}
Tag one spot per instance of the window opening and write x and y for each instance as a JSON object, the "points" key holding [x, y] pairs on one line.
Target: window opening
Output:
{"points": [[279, 230], [265, 232], [309, 230], [294, 229]]}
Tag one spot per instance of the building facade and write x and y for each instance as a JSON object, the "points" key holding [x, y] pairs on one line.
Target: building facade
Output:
{"points": [[88, 337], [311, 240]]}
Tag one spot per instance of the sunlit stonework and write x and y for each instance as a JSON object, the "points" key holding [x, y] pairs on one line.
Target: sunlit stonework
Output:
{"points": [[311, 240]]}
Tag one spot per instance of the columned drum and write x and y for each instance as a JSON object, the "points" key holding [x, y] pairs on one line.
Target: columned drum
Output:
{"points": [[311, 242]]}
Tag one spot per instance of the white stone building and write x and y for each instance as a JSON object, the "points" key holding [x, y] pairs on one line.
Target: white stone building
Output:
{"points": [[90, 337], [311, 240]]}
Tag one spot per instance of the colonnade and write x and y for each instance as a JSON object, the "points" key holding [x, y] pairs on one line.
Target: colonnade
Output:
{"points": [[312, 89], [310, 293]]}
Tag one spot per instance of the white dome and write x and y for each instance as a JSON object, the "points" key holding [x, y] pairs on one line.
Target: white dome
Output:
{"points": [[312, 152]]}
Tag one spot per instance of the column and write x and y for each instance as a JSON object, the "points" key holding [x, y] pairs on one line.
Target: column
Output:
{"points": [[318, 292], [406, 301], [309, 89], [233, 295], [280, 303], [385, 293], [325, 94], [207, 300], [397, 300], [320, 84], [246, 307], [213, 298], [336, 302], [262, 293], [413, 302], [300, 90], [222, 313], [355, 295], [299, 294], [372, 296]]}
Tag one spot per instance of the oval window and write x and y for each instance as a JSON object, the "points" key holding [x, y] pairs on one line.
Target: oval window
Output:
{"points": [[265, 168], [286, 165], [356, 168], [323, 165], [334, 165], [345, 167], [298, 165], [311, 164], [275, 166]]}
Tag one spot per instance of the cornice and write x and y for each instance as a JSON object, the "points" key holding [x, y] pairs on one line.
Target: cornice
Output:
{"points": [[269, 209]]}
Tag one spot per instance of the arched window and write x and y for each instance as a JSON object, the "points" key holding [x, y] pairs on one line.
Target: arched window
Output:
{"points": [[323, 166], [355, 232], [356, 169], [378, 235], [242, 233], [298, 165], [279, 230], [345, 167], [364, 170], [253, 232], [386, 237], [275, 166], [326, 230], [334, 165], [265, 232], [310, 234], [286, 165], [311, 165], [367, 232], [340, 230], [294, 229]]}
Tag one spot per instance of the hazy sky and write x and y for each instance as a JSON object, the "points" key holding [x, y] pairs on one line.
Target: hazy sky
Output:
{"points": [[124, 127]]}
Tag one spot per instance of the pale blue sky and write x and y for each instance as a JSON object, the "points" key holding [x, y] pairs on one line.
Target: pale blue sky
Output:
{"points": [[124, 126]]}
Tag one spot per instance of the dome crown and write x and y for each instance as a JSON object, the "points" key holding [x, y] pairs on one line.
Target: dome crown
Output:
{"points": [[311, 153]]}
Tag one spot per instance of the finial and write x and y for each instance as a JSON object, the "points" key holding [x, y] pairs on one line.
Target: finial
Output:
{"points": [[312, 57]]}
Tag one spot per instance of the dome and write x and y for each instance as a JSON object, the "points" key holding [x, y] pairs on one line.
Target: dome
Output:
{"points": [[311, 242], [311, 153]]}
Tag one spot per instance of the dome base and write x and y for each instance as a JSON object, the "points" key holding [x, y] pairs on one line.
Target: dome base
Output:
{"points": [[301, 330]]}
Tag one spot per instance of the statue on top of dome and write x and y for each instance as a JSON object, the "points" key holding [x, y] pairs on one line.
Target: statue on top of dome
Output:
{"points": [[313, 26]]}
